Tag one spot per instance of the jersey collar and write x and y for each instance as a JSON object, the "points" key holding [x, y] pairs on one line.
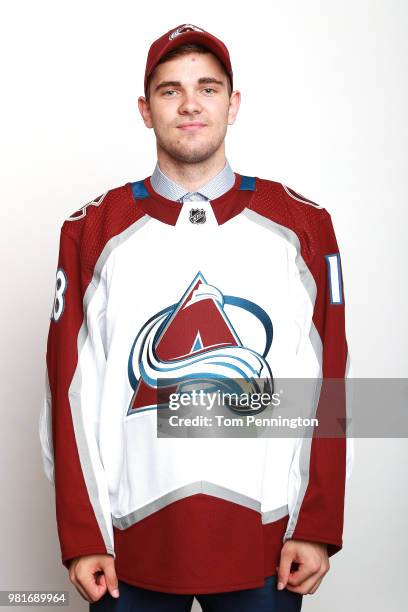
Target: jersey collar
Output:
{"points": [[225, 207]]}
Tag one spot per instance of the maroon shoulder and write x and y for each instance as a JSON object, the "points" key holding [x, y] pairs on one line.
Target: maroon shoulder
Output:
{"points": [[100, 219], [287, 208]]}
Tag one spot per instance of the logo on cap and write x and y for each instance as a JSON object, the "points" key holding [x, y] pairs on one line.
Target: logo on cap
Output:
{"points": [[187, 27], [197, 215]]}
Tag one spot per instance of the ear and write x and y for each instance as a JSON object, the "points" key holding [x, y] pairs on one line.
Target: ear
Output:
{"points": [[234, 104], [144, 109]]}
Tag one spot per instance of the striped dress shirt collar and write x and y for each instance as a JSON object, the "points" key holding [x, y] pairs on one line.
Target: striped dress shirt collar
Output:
{"points": [[216, 187]]}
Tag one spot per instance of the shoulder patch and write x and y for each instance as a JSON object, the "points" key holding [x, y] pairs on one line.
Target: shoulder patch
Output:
{"points": [[80, 214], [299, 197]]}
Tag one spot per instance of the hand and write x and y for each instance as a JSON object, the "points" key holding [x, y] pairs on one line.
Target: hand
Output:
{"points": [[93, 575], [313, 565]]}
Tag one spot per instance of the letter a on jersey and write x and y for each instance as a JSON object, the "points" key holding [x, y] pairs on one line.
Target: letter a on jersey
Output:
{"points": [[193, 339]]}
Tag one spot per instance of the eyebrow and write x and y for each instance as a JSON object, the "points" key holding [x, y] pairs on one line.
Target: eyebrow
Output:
{"points": [[202, 81]]}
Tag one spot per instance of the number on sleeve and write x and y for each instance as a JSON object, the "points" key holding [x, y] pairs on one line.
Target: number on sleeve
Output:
{"points": [[334, 278], [61, 284]]}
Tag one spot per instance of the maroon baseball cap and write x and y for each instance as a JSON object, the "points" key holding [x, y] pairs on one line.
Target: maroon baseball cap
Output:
{"points": [[183, 34]]}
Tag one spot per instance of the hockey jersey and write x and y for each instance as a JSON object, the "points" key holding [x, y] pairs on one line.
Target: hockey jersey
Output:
{"points": [[147, 287]]}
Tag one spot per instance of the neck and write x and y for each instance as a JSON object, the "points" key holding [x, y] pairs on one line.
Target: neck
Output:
{"points": [[191, 175]]}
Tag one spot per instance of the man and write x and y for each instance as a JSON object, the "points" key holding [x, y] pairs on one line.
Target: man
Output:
{"points": [[195, 269]]}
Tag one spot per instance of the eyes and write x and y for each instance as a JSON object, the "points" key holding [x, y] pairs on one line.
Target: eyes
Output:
{"points": [[206, 89]]}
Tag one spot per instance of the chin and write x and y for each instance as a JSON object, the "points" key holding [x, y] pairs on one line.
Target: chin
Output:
{"points": [[190, 154], [196, 156]]}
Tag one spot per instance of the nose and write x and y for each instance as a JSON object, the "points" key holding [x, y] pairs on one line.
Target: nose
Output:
{"points": [[189, 103]]}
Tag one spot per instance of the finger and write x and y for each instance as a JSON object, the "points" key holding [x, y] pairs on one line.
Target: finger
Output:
{"points": [[74, 581], [286, 559], [110, 577], [305, 571], [81, 590], [87, 581], [306, 587]]}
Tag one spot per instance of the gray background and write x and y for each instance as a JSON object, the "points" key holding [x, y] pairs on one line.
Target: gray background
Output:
{"points": [[324, 99]]}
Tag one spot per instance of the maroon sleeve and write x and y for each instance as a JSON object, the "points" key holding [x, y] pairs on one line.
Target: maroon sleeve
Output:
{"points": [[69, 449], [320, 463]]}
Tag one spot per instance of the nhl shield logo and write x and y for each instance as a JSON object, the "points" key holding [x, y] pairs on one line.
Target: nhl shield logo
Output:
{"points": [[197, 215]]}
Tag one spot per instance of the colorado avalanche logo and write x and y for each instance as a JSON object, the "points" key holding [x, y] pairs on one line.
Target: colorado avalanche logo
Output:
{"points": [[193, 341], [187, 27]]}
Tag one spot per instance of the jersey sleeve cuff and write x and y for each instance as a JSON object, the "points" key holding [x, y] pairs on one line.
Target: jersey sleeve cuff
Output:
{"points": [[333, 546], [67, 557]]}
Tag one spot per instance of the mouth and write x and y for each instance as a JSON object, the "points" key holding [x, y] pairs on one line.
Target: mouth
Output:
{"points": [[191, 126]]}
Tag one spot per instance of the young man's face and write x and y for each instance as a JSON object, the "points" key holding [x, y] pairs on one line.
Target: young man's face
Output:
{"points": [[190, 89]]}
